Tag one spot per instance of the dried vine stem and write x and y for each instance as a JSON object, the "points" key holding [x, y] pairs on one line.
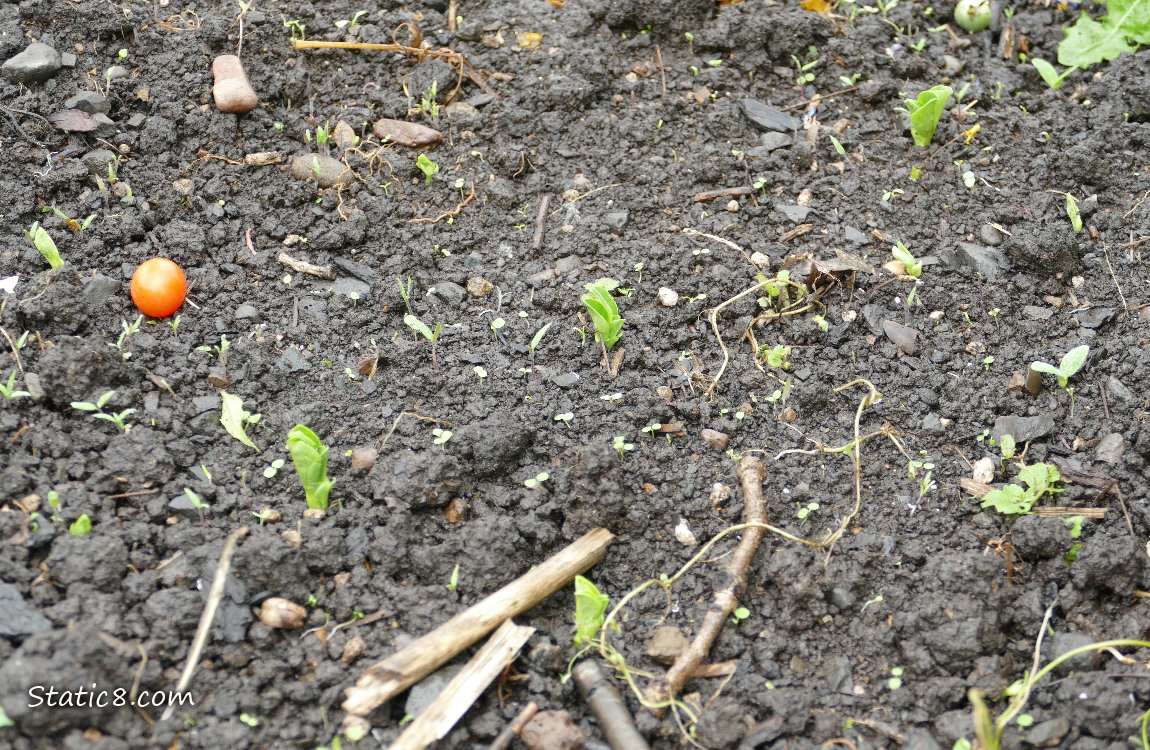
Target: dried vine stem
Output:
{"points": [[751, 474]]}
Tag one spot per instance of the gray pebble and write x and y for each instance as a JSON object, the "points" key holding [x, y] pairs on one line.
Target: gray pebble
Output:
{"points": [[773, 141], [1110, 448], [292, 361], [325, 170], [248, 312], [353, 289], [1023, 428], [990, 235], [1048, 733], [766, 117], [567, 263], [137, 121], [34, 387], [117, 73], [565, 381], [358, 270], [853, 235], [17, 617], [951, 65], [1118, 390], [97, 161], [795, 213], [38, 62], [100, 288], [450, 292], [616, 221], [1035, 312], [88, 101]]}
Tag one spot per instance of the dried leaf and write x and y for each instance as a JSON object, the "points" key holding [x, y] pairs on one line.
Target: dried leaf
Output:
{"points": [[529, 40], [73, 121], [822, 7]]}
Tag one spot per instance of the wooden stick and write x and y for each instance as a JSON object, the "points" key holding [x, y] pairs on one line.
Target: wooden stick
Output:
{"points": [[512, 730], [540, 223], [751, 474], [300, 266], [215, 594], [710, 195], [608, 706], [388, 678], [449, 706]]}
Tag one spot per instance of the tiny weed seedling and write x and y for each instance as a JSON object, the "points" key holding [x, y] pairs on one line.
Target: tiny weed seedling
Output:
{"points": [[420, 327], [296, 28], [621, 447], [127, 331], [97, 411], [1050, 74], [82, 526], [805, 510], [775, 356], [605, 314], [350, 23], [220, 349], [1072, 212], [441, 437], [536, 340], [427, 166], [453, 581], [44, 243], [9, 392], [197, 502], [912, 265], [924, 113], [405, 292], [429, 104], [740, 614], [1069, 365], [496, 326], [274, 468], [537, 480], [565, 418], [895, 680], [1013, 499], [310, 458], [235, 418]]}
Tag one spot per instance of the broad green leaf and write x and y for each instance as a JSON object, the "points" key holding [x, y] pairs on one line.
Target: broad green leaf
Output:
{"points": [[925, 112], [233, 418], [310, 457], [44, 243], [1046, 368], [590, 610], [1038, 478], [419, 326], [1008, 500], [1125, 26], [604, 314], [82, 526], [1007, 445], [1073, 360]]}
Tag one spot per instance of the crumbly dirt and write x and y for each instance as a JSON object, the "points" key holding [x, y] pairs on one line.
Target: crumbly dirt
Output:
{"points": [[619, 120]]}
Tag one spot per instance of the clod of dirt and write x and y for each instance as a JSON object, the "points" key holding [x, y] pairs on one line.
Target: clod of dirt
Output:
{"points": [[353, 649], [715, 439], [410, 134], [493, 445], [233, 90], [666, 644], [984, 469], [81, 370], [362, 459], [325, 170], [722, 724], [668, 297], [427, 479], [17, 618], [552, 730]]}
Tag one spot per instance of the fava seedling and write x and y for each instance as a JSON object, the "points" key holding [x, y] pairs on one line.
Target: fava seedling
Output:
{"points": [[604, 313], [44, 243], [97, 411], [910, 264], [310, 458], [427, 166], [924, 113]]}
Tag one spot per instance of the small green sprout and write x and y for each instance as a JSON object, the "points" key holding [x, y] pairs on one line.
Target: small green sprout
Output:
{"points": [[294, 28], [537, 339], [127, 331], [9, 391], [622, 447], [350, 23], [427, 166], [274, 468], [453, 582], [740, 614], [420, 327], [565, 418], [987, 362], [441, 437], [806, 510], [537, 480], [821, 323], [250, 720], [612, 397], [775, 356], [235, 418], [912, 265], [1007, 446], [925, 112], [1072, 212], [590, 611], [496, 326], [97, 410], [838, 146], [604, 313], [1070, 364], [429, 105], [44, 243], [82, 526], [1050, 74], [895, 681], [310, 458]]}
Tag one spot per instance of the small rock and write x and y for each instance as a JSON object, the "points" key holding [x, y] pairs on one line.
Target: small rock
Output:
{"points": [[449, 292], [281, 614], [88, 101], [1095, 317], [795, 213], [1035, 312], [359, 270], [850, 234], [68, 59], [325, 170], [99, 288], [233, 90], [362, 459], [38, 62], [767, 117], [1023, 428], [668, 297], [248, 312], [97, 162], [733, 206], [1111, 448], [1118, 390], [17, 617], [182, 186], [951, 65], [552, 730], [760, 260], [457, 511], [1060, 643], [565, 381], [315, 514], [461, 110], [34, 387], [410, 134], [984, 469], [292, 361], [990, 235], [479, 287], [1088, 206], [666, 644], [1048, 733], [218, 377], [353, 649], [684, 535], [715, 439], [988, 261], [841, 598], [353, 289], [616, 221], [837, 671], [932, 424], [902, 336], [117, 73], [343, 135], [567, 264], [775, 141]]}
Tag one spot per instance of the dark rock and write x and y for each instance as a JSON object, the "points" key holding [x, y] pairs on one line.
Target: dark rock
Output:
{"points": [[566, 380], [795, 213], [88, 101], [358, 270], [1023, 428], [449, 292], [902, 336], [837, 672], [248, 312], [353, 289], [1061, 643], [100, 288], [38, 62], [1111, 448], [1095, 317], [988, 261], [773, 141], [17, 617], [1048, 733], [766, 117], [990, 235], [616, 221], [292, 361], [850, 234]]}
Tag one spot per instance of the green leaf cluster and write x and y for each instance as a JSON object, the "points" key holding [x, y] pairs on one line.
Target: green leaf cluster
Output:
{"points": [[1015, 500], [925, 112], [310, 458], [590, 610], [604, 313], [1125, 26], [1070, 364]]}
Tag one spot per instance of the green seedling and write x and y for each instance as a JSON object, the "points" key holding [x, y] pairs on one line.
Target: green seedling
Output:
{"points": [[350, 23], [612, 397], [250, 720], [4, 720], [537, 480], [604, 313], [274, 468], [1013, 499], [54, 504], [9, 391], [895, 681], [82, 526], [621, 447], [1050, 74], [803, 76], [805, 510], [310, 458], [590, 611], [44, 243], [296, 28], [775, 356], [565, 418], [196, 501], [910, 264], [536, 340], [1125, 26], [97, 411], [221, 350], [1007, 447], [127, 331], [74, 225], [1072, 212], [419, 327], [405, 292], [441, 437], [1068, 366], [821, 323], [429, 103], [427, 166], [496, 326], [924, 113], [453, 582], [235, 418], [740, 614]]}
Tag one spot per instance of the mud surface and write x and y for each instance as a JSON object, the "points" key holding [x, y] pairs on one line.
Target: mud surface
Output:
{"points": [[618, 119]]}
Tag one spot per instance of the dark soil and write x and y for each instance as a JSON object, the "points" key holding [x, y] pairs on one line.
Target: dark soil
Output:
{"points": [[608, 120]]}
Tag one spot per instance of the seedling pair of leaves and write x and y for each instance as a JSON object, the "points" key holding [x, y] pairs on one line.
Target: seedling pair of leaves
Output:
{"points": [[1014, 500]]}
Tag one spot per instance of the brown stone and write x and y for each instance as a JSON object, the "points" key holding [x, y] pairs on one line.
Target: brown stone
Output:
{"points": [[666, 644], [353, 649], [479, 287], [715, 439], [552, 730], [410, 134], [362, 459], [233, 90]]}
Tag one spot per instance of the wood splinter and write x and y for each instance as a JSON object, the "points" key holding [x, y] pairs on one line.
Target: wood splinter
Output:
{"points": [[299, 266], [608, 706], [751, 473], [512, 730]]}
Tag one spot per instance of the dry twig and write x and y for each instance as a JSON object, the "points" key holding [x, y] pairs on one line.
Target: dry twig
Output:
{"points": [[608, 706], [299, 266], [512, 730]]}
